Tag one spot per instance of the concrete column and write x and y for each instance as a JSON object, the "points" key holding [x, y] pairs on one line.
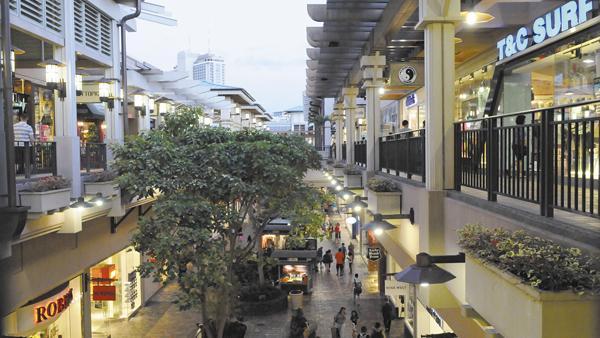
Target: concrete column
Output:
{"points": [[67, 141], [113, 117], [437, 19], [350, 108], [144, 121], [338, 115], [373, 80]]}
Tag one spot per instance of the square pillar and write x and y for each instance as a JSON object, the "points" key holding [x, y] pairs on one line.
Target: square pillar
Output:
{"points": [[338, 117], [350, 108], [373, 80]]}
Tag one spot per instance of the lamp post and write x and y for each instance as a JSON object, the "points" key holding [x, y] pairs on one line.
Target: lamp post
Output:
{"points": [[425, 273]]}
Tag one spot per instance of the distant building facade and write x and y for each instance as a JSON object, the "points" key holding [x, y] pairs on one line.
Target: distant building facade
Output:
{"points": [[204, 67]]}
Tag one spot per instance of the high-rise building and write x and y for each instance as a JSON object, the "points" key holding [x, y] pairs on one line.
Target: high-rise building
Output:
{"points": [[210, 68]]}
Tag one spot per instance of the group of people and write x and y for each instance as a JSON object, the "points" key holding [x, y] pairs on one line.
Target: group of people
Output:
{"points": [[378, 331], [343, 255]]}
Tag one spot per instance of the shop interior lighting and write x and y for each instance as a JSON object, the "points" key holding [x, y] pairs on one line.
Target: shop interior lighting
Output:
{"points": [[81, 204], [79, 84], [569, 93], [98, 200], [457, 40], [426, 272]]}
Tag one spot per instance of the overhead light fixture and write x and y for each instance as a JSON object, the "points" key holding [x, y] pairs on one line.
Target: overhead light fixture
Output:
{"points": [[79, 84], [425, 272], [378, 225], [81, 204], [569, 93], [381, 90], [378, 231], [472, 17], [338, 188], [333, 182], [351, 220]]}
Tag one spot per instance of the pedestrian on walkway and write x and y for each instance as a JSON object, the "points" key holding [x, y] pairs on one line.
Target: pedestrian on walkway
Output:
{"points": [[354, 318], [328, 259], [357, 287], [319, 258], [330, 232], [363, 333], [350, 261], [339, 263], [338, 322], [344, 249], [377, 331], [351, 249], [387, 310], [338, 232]]}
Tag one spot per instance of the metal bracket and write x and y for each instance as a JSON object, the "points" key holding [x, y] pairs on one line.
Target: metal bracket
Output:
{"points": [[114, 223]]}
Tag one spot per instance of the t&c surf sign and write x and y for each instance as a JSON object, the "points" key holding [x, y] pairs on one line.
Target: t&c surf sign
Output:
{"points": [[561, 19]]}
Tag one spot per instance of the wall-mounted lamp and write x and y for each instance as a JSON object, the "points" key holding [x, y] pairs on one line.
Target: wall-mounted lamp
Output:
{"points": [[79, 84], [81, 204], [54, 80], [425, 272], [163, 108], [138, 104], [151, 105]]}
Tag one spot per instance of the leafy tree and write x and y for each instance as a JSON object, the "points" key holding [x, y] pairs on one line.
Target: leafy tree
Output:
{"points": [[210, 183]]}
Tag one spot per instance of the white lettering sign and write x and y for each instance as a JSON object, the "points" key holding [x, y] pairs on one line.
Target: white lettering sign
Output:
{"points": [[561, 19], [396, 288]]}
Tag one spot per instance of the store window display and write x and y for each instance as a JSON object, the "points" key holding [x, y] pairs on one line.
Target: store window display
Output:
{"points": [[115, 287], [38, 103], [471, 93]]}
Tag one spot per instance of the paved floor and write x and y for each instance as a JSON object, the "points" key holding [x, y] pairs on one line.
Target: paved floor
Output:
{"points": [[161, 318]]}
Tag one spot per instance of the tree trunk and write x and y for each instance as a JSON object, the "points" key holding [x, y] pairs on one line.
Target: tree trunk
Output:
{"points": [[261, 266]]}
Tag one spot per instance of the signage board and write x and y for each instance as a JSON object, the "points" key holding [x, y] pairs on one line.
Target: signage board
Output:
{"points": [[561, 19], [396, 288], [90, 93], [407, 74], [104, 292], [411, 100], [374, 253]]}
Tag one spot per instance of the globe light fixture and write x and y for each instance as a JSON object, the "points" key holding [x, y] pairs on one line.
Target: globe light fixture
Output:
{"points": [[338, 187], [81, 204], [351, 220]]}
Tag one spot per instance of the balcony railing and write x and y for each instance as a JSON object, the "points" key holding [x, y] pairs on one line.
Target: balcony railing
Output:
{"points": [[35, 158], [545, 156], [344, 151], [360, 153], [403, 153], [93, 156]]}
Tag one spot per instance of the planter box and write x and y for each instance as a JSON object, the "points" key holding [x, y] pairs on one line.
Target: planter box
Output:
{"points": [[518, 310], [107, 189], [353, 181], [45, 201], [385, 202], [338, 172]]}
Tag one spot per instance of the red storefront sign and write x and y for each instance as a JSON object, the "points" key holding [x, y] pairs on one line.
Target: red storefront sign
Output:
{"points": [[50, 309], [104, 292]]}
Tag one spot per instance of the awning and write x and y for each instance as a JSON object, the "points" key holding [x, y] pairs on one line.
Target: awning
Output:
{"points": [[92, 111]]}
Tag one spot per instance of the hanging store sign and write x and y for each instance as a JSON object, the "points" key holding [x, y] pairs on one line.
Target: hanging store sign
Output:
{"points": [[374, 254], [561, 19], [104, 293], [406, 74], [396, 288], [411, 100]]}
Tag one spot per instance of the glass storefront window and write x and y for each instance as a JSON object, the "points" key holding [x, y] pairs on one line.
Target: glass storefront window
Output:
{"points": [[471, 93], [115, 287]]}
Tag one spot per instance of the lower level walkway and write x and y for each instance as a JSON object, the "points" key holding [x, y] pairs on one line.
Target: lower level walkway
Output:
{"points": [[161, 318]]}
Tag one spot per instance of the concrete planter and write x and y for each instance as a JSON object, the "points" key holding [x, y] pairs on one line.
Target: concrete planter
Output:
{"points": [[45, 201], [338, 172], [353, 181], [107, 189], [384, 202], [518, 310]]}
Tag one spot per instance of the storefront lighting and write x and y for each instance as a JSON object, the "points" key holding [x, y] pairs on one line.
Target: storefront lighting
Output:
{"points": [[79, 84], [333, 182], [80, 124], [424, 284], [357, 208], [471, 16], [569, 93], [481, 89]]}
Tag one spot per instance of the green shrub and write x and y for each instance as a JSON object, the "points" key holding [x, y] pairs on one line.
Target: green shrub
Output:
{"points": [[539, 262], [102, 176], [47, 184], [381, 185]]}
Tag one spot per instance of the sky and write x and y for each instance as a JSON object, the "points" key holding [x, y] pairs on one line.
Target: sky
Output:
{"points": [[263, 43]]}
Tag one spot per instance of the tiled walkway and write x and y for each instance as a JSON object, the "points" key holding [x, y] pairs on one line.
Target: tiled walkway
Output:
{"points": [[161, 318]]}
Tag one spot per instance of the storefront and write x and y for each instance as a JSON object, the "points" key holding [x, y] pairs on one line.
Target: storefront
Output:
{"points": [[90, 122], [413, 109], [115, 290], [57, 313], [37, 102]]}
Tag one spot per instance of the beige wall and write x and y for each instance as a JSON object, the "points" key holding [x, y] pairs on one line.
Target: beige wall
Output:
{"points": [[40, 264]]}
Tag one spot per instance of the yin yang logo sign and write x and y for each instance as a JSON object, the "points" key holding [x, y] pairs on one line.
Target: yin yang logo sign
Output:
{"points": [[407, 74]]}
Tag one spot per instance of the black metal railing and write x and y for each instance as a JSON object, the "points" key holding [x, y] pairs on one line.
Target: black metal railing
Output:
{"points": [[403, 153], [332, 152], [93, 156], [344, 151], [35, 158], [360, 153], [546, 156]]}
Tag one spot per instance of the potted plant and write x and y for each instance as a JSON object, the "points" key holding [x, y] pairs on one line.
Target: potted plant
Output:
{"points": [[338, 169], [103, 182], [352, 177], [384, 196], [46, 194], [533, 286]]}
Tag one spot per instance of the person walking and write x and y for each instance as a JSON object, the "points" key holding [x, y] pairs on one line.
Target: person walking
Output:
{"points": [[23, 142], [319, 258], [338, 322], [338, 232], [354, 317], [357, 287], [351, 249], [344, 249], [327, 260], [377, 331], [387, 310], [363, 333], [339, 262], [350, 261]]}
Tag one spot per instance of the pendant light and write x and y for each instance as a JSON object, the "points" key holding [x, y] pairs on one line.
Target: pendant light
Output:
{"points": [[471, 16]]}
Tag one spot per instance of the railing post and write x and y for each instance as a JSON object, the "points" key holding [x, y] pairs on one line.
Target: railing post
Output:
{"points": [[53, 159], [422, 148], [27, 159], [457, 156], [491, 158], [103, 156], [86, 148], [547, 174], [407, 163]]}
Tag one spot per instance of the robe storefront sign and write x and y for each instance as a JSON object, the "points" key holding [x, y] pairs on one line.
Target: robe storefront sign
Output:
{"points": [[38, 313], [374, 254], [561, 19]]}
